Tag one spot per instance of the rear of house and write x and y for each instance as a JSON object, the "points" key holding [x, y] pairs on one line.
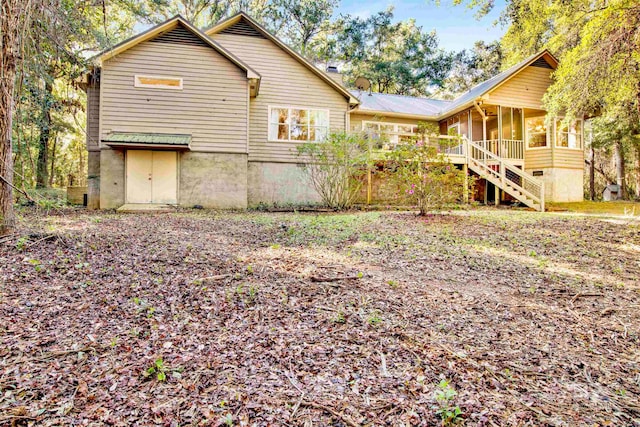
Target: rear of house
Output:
{"points": [[177, 116], [507, 128]]}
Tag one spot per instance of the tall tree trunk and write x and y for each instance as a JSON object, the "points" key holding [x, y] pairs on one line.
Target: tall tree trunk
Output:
{"points": [[42, 179], [592, 175], [620, 172], [638, 172], [7, 86], [53, 161]]}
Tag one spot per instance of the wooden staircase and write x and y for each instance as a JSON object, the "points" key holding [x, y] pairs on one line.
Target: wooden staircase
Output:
{"points": [[506, 176]]}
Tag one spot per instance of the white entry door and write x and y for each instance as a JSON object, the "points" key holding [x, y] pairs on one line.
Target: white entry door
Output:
{"points": [[152, 177]]}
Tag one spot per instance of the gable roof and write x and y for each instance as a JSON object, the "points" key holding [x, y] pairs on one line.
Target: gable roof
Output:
{"points": [[242, 17], [481, 89], [437, 109], [168, 25]]}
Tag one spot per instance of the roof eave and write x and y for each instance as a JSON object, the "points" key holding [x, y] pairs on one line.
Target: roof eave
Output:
{"points": [[394, 114], [448, 113]]}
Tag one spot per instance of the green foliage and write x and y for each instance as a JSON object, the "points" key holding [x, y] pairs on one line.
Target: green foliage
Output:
{"points": [[397, 57], [444, 396], [21, 244], [340, 317], [334, 167], [482, 7], [598, 45], [303, 21], [374, 318], [157, 370], [471, 67], [422, 175]]}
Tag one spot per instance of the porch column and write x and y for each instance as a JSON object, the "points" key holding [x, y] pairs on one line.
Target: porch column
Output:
{"points": [[499, 145], [484, 130], [465, 195]]}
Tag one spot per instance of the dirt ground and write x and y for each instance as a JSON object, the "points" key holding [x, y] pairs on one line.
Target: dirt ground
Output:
{"points": [[477, 318]]}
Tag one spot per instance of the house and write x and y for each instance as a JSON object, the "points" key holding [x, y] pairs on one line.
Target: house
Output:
{"points": [[184, 117]]}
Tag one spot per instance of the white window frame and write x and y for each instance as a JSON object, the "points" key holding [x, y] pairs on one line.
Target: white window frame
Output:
{"points": [[137, 83], [294, 107], [555, 134], [394, 137], [526, 134]]}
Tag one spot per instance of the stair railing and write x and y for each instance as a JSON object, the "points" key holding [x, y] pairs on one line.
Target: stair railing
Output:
{"points": [[505, 175]]}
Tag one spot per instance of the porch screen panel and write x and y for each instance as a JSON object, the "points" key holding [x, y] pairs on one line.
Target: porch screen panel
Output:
{"points": [[517, 124], [476, 123], [506, 123], [464, 125]]}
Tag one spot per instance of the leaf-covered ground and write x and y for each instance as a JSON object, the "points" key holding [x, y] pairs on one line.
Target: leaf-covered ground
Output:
{"points": [[201, 318]]}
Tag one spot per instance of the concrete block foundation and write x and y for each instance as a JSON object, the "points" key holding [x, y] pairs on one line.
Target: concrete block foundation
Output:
{"points": [[112, 184], [562, 185], [279, 183], [213, 180]]}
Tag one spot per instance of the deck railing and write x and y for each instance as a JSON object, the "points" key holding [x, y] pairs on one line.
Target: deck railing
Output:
{"points": [[450, 145], [506, 148]]}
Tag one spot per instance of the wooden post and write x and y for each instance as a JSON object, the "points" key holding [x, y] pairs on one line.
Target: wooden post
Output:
{"points": [[496, 192], [465, 170], [486, 192], [369, 163], [368, 185], [499, 147]]}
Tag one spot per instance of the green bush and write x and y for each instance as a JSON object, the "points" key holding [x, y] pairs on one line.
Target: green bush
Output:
{"points": [[334, 167], [422, 175]]}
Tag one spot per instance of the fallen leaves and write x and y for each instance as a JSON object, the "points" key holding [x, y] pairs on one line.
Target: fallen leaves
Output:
{"points": [[330, 320]]}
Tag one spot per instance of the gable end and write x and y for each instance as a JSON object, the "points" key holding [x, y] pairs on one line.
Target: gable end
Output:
{"points": [[179, 35], [541, 63], [243, 28]]}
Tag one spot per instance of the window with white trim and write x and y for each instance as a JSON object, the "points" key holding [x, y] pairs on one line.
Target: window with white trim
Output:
{"points": [[157, 82], [453, 129], [569, 136], [388, 135], [298, 124], [536, 132]]}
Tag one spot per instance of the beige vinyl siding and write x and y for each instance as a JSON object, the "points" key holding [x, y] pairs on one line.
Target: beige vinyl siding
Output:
{"points": [[93, 117], [285, 83], [525, 89], [568, 158], [212, 106], [537, 158]]}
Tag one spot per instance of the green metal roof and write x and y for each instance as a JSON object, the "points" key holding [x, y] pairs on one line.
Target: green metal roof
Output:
{"points": [[148, 138]]}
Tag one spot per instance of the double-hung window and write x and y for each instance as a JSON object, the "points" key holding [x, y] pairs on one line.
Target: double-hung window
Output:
{"points": [[569, 136], [298, 124]]}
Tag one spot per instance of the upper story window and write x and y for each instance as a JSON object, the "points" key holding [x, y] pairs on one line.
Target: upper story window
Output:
{"points": [[158, 82], [569, 136], [388, 135], [298, 124], [536, 132]]}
